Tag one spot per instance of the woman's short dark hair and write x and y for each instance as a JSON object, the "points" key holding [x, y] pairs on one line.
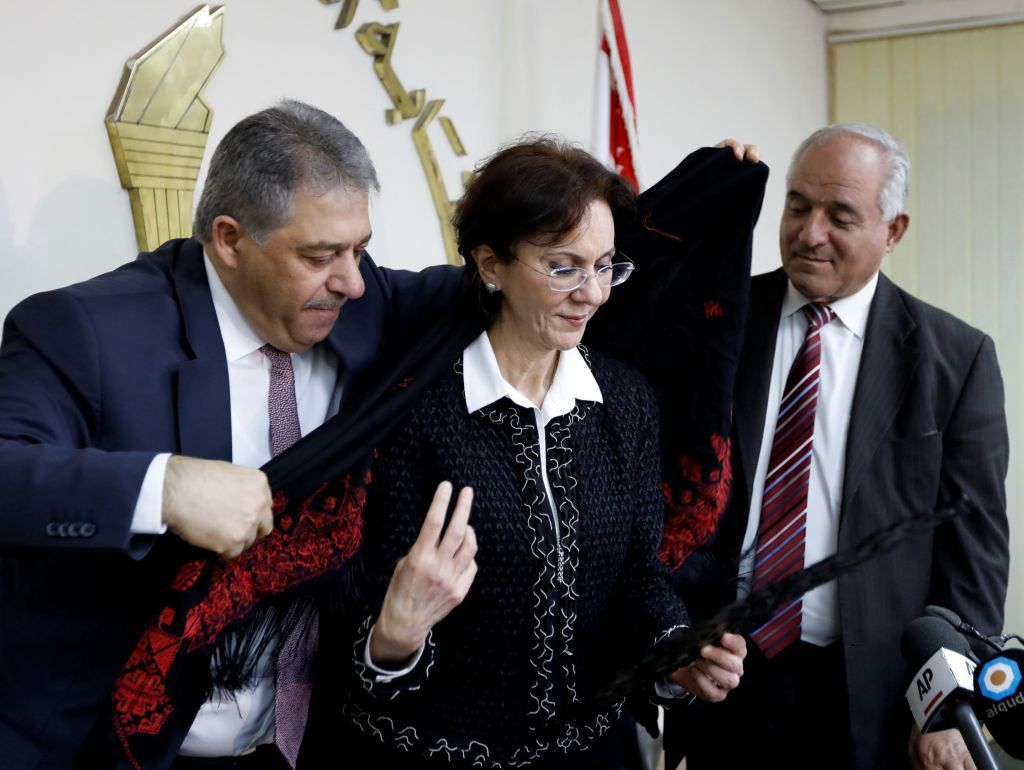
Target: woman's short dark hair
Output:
{"points": [[537, 190]]}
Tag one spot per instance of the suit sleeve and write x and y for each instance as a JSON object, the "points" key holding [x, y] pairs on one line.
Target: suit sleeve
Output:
{"points": [[415, 297], [58, 488], [971, 557]]}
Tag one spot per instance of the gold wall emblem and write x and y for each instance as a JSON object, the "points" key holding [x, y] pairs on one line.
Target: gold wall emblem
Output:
{"points": [[159, 124], [378, 40]]}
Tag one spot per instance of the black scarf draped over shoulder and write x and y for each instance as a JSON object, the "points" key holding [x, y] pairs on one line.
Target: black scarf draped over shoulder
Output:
{"points": [[679, 321]]}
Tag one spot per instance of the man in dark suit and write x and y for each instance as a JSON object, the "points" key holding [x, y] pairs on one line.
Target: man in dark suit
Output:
{"points": [[890, 407], [136, 407]]}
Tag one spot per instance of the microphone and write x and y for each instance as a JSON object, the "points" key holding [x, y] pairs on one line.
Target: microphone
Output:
{"points": [[945, 671], [999, 699], [940, 692], [962, 626]]}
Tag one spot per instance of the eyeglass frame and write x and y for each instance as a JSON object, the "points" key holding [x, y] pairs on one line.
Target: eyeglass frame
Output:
{"points": [[587, 274]]}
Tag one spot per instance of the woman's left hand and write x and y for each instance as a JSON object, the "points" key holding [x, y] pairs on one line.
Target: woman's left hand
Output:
{"points": [[717, 672]]}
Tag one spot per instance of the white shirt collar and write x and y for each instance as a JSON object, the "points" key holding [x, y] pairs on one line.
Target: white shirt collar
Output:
{"points": [[484, 384], [239, 338], [852, 310]]}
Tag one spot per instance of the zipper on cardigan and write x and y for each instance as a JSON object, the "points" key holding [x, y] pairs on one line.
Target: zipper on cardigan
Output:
{"points": [[543, 453]]}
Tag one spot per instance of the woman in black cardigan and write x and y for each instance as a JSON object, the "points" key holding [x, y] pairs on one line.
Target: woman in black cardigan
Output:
{"points": [[481, 640]]}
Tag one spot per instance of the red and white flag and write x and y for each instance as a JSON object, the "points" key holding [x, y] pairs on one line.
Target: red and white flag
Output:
{"points": [[615, 136]]}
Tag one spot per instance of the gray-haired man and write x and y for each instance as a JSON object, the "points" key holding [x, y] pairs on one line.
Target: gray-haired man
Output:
{"points": [[893, 406], [136, 407]]}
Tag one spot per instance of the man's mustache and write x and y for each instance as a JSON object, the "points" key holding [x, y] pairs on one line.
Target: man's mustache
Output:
{"points": [[323, 304]]}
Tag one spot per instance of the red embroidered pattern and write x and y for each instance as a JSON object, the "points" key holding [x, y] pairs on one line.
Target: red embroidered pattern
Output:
{"points": [[140, 701], [693, 511], [713, 309], [188, 575], [319, 540], [647, 226], [318, 535]]}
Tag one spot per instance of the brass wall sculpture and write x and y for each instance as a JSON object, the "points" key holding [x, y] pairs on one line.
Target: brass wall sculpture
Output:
{"points": [[159, 124], [348, 10], [378, 40]]}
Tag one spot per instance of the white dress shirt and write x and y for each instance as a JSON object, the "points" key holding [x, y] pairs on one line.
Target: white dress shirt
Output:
{"points": [[228, 725], [842, 342]]}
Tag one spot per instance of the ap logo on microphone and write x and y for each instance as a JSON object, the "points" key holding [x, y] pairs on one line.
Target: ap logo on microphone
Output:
{"points": [[999, 678]]}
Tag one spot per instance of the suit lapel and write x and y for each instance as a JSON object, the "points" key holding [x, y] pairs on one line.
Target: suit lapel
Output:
{"points": [[204, 400], [887, 366]]}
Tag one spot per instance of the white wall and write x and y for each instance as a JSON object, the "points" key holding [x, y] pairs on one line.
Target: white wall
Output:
{"points": [[702, 72], [504, 66]]}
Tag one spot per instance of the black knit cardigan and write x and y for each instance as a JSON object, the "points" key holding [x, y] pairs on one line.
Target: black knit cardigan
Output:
{"points": [[505, 676]]}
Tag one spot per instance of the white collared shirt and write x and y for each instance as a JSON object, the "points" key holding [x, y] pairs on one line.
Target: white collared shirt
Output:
{"points": [[842, 342], [235, 724], [484, 384]]}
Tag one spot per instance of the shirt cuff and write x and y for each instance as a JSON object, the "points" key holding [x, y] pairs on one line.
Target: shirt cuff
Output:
{"points": [[670, 690], [148, 517], [389, 675]]}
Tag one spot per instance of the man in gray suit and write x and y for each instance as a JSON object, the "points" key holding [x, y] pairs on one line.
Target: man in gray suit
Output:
{"points": [[857, 405]]}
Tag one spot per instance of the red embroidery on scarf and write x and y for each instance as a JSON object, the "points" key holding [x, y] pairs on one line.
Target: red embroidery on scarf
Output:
{"points": [[320, 536], [693, 512], [140, 702], [319, 541], [188, 575], [647, 226], [713, 309]]}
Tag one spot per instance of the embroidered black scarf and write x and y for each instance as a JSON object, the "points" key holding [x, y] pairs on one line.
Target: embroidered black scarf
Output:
{"points": [[679, 320]]}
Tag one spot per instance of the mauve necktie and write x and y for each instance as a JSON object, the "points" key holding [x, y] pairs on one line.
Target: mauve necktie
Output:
{"points": [[783, 526], [292, 687]]}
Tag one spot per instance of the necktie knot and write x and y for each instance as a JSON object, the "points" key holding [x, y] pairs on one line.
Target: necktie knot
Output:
{"points": [[277, 357], [818, 314]]}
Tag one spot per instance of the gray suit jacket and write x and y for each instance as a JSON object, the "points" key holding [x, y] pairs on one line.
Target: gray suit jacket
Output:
{"points": [[927, 421]]}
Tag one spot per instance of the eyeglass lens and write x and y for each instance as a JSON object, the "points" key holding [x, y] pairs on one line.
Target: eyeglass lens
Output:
{"points": [[569, 278]]}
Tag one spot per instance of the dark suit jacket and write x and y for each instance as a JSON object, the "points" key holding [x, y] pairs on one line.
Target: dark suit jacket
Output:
{"points": [[927, 420], [95, 380]]}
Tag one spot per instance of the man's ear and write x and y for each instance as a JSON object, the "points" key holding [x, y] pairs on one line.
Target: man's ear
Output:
{"points": [[226, 232], [897, 228], [487, 263]]}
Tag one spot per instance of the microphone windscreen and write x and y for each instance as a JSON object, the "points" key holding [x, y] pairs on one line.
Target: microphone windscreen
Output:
{"points": [[999, 699], [923, 636], [948, 615]]}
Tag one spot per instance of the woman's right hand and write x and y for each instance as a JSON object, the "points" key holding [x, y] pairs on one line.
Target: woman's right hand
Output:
{"points": [[428, 582]]}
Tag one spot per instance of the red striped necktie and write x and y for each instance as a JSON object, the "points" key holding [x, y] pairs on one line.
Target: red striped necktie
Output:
{"points": [[783, 526]]}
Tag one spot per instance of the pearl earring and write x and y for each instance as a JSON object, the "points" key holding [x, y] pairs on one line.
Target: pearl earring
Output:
{"points": [[491, 288]]}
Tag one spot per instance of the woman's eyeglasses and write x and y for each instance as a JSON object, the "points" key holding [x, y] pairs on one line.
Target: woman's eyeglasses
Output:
{"points": [[572, 278]]}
